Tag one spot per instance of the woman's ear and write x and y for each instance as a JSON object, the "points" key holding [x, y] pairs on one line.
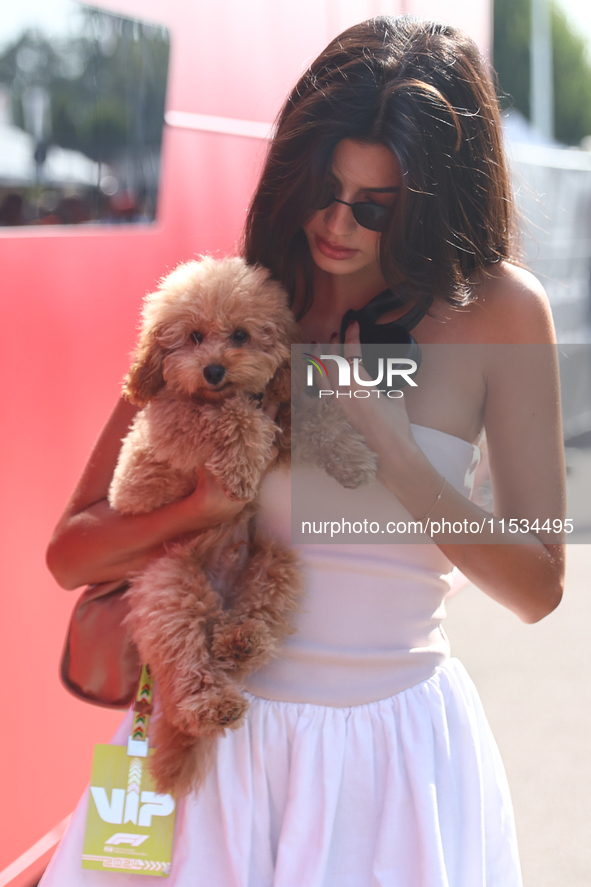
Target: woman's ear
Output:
{"points": [[145, 377], [279, 388]]}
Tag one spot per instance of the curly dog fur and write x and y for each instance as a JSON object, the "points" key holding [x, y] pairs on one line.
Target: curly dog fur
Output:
{"points": [[214, 348]]}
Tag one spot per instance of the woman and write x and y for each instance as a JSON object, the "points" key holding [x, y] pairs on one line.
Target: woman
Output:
{"points": [[366, 758]]}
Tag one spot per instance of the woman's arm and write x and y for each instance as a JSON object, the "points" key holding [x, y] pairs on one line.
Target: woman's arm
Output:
{"points": [[94, 543], [522, 421], [527, 577], [526, 452]]}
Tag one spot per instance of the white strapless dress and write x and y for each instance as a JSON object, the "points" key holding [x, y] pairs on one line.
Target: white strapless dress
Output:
{"points": [[366, 759]]}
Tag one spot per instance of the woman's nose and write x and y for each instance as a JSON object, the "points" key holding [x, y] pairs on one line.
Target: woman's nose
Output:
{"points": [[338, 218]]}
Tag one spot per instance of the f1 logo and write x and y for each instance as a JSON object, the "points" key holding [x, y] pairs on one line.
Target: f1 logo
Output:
{"points": [[123, 838]]}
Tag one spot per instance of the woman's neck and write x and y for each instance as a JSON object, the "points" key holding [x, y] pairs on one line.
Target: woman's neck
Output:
{"points": [[345, 291], [334, 295]]}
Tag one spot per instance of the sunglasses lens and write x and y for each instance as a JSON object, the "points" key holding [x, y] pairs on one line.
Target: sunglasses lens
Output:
{"points": [[370, 215]]}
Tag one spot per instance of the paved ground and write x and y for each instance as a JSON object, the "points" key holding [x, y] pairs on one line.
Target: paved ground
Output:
{"points": [[534, 681]]}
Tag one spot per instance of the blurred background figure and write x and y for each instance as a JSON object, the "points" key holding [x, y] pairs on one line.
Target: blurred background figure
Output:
{"points": [[11, 210]]}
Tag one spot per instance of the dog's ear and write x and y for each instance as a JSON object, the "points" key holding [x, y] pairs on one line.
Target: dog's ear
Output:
{"points": [[145, 377], [279, 388]]}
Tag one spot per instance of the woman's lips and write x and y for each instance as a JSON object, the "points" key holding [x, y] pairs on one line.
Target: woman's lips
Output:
{"points": [[331, 251]]}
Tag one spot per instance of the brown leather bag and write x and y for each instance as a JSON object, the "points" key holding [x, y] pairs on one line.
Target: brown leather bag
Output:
{"points": [[100, 663]]}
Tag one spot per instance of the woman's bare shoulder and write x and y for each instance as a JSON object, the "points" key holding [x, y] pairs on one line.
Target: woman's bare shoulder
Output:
{"points": [[510, 307]]}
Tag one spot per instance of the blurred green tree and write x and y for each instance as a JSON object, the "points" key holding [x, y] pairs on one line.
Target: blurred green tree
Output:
{"points": [[572, 67], [106, 85]]}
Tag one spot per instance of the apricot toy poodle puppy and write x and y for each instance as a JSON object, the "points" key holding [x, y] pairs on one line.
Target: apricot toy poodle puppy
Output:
{"points": [[214, 350]]}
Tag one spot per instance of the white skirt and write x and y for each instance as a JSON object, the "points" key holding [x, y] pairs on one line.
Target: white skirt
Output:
{"points": [[408, 791]]}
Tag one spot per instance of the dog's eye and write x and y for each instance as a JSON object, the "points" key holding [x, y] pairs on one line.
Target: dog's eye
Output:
{"points": [[197, 337], [239, 337]]}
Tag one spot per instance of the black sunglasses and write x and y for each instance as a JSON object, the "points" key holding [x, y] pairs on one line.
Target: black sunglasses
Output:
{"points": [[369, 215]]}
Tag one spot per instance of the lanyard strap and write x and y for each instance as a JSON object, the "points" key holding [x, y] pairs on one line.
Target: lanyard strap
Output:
{"points": [[137, 744]]}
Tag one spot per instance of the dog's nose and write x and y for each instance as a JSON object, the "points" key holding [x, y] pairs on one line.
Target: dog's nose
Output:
{"points": [[214, 373]]}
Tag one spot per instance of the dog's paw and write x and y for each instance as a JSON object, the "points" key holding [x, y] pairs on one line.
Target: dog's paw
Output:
{"points": [[230, 711], [224, 709], [234, 645], [352, 465], [210, 709]]}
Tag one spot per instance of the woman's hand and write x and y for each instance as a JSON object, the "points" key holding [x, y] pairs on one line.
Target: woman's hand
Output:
{"points": [[207, 506], [384, 422], [381, 419]]}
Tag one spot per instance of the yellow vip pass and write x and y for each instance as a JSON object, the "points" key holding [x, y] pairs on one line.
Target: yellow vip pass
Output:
{"points": [[129, 827]]}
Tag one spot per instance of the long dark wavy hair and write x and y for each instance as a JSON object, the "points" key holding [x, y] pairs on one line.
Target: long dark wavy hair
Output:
{"points": [[421, 89]]}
